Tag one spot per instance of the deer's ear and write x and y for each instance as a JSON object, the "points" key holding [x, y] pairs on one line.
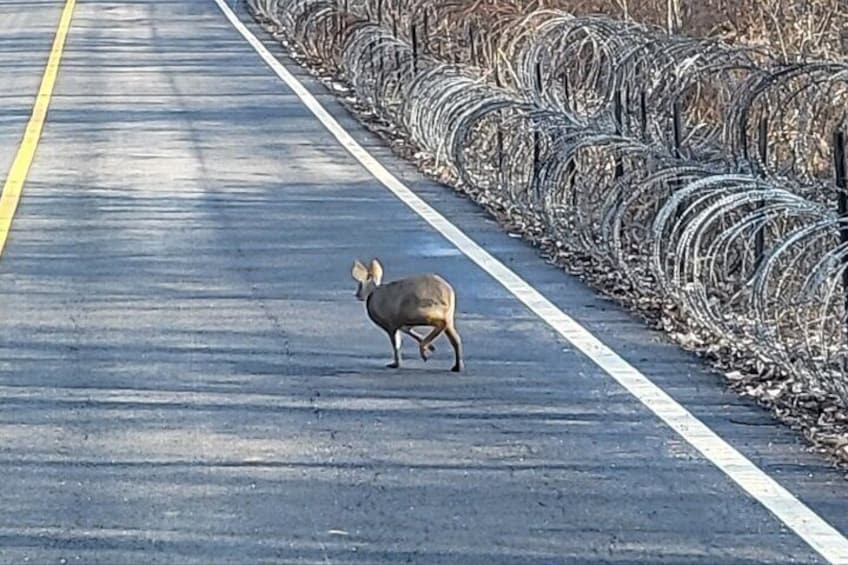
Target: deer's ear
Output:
{"points": [[359, 272], [376, 270]]}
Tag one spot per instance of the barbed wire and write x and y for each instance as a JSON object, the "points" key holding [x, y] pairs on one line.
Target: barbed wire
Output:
{"points": [[538, 110]]}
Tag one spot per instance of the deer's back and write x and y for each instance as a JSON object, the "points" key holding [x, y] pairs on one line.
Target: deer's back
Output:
{"points": [[417, 300]]}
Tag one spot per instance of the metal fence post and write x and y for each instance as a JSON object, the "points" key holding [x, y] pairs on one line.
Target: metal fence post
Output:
{"points": [[414, 34], [839, 167], [499, 134], [618, 112], [537, 142], [570, 166], [380, 23], [677, 128], [762, 145], [395, 35]]}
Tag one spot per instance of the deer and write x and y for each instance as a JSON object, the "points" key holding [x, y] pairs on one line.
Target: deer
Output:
{"points": [[398, 306]]}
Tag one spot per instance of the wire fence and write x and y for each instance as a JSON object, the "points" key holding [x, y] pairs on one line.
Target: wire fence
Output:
{"points": [[708, 177]]}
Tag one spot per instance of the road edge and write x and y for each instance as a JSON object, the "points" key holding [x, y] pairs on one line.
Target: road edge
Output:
{"points": [[809, 526]]}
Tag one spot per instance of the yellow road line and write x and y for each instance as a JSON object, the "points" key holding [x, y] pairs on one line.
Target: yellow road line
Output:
{"points": [[14, 184]]}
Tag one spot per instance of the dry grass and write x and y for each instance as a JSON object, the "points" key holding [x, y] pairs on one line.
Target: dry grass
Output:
{"points": [[792, 28]]}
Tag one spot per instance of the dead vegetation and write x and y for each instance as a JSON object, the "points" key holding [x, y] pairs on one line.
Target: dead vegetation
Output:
{"points": [[794, 29]]}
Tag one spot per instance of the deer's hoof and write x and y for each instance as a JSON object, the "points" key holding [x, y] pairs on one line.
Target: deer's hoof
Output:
{"points": [[456, 368], [393, 365]]}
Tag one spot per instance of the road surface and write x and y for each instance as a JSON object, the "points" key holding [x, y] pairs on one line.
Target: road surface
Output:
{"points": [[186, 376]]}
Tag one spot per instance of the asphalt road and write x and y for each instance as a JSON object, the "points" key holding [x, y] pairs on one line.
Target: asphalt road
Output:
{"points": [[186, 377]]}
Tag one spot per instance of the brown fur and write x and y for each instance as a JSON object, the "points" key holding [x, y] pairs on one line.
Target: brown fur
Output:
{"points": [[398, 306]]}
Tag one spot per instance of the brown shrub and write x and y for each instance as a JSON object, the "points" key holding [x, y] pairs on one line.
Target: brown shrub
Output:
{"points": [[793, 28]]}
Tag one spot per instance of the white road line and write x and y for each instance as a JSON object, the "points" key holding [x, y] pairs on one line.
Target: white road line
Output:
{"points": [[809, 526]]}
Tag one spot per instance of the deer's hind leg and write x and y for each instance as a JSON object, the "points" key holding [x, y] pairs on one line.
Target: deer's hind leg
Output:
{"points": [[456, 343], [395, 338], [408, 331], [424, 344]]}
